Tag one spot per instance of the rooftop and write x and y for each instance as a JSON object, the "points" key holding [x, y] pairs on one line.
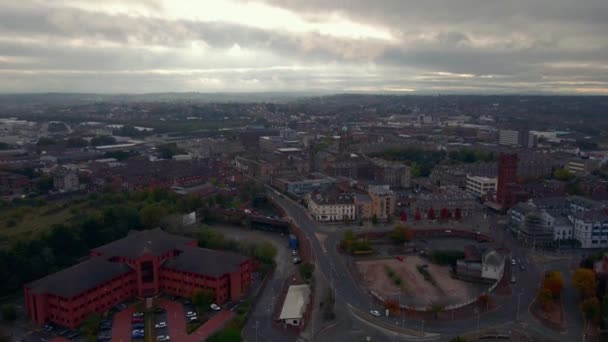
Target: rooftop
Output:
{"points": [[137, 243], [295, 302], [79, 278], [205, 261]]}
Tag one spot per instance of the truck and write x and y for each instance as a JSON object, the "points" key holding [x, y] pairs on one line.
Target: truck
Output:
{"points": [[293, 242]]}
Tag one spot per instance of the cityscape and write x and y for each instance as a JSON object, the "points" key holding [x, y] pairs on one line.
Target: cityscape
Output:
{"points": [[279, 171]]}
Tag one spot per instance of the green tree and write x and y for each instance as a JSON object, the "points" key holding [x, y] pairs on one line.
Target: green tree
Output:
{"points": [[401, 234], [435, 309], [306, 270], [265, 252], [152, 214], [591, 309], [459, 339], [76, 142], [103, 140], [9, 312], [202, 299], [563, 175], [226, 335], [44, 184], [167, 151], [90, 326]]}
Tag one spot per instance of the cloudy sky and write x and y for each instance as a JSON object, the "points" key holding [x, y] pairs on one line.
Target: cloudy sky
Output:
{"points": [[402, 46]]}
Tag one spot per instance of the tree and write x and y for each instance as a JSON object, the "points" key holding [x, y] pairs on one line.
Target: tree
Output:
{"points": [[457, 214], [306, 270], [430, 214], [563, 175], [392, 306], [458, 339], [265, 252], [167, 151], [103, 140], [90, 326], [435, 309], [152, 214], [591, 309], [484, 300], [401, 234], [202, 299], [445, 214], [9, 312], [44, 141], [227, 335], [583, 280], [44, 184], [554, 282], [545, 298], [374, 219], [76, 142]]}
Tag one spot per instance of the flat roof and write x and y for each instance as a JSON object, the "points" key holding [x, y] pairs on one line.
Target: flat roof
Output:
{"points": [[295, 302]]}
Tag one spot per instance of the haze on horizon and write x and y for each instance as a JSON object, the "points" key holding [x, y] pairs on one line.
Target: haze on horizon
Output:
{"points": [[401, 46]]}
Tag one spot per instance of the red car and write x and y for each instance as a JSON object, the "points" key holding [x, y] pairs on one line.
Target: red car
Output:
{"points": [[137, 319], [400, 258]]}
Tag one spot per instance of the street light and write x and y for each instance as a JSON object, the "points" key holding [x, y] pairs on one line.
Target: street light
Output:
{"points": [[518, 303]]}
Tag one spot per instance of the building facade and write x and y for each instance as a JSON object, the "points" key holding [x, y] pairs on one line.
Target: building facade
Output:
{"points": [[143, 264], [331, 206], [480, 186], [382, 202]]}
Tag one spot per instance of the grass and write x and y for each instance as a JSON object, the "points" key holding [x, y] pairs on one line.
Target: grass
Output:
{"points": [[28, 221], [149, 331]]}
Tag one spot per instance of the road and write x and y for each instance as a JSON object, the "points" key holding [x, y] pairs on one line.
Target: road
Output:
{"points": [[334, 268]]}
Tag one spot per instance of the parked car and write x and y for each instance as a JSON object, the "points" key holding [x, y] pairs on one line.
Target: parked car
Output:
{"points": [[190, 313], [73, 335], [163, 338], [296, 260], [138, 326], [522, 267], [137, 320], [513, 262], [160, 325], [138, 314], [374, 313], [513, 279], [215, 307], [294, 252], [193, 319], [399, 257]]}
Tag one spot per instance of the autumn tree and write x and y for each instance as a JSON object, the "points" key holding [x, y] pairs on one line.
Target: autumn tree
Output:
{"points": [[545, 298], [401, 234], [583, 280], [430, 214], [554, 282], [392, 306], [457, 214]]}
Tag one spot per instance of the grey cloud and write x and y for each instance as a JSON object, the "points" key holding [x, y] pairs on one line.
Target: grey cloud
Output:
{"points": [[508, 46]]}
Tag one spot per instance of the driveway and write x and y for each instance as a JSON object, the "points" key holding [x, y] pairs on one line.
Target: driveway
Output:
{"points": [[121, 328], [176, 321]]}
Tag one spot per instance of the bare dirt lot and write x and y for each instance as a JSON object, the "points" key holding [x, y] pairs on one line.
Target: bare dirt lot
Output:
{"points": [[414, 289]]}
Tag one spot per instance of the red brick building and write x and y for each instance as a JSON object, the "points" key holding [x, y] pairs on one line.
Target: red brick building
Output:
{"points": [[143, 264]]}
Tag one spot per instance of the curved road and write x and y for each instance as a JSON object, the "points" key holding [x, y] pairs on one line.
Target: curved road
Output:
{"points": [[334, 268]]}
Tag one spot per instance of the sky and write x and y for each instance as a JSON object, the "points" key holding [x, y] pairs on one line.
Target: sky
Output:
{"points": [[388, 46]]}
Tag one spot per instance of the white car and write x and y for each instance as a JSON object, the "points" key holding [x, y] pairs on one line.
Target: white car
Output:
{"points": [[163, 338], [215, 307], [513, 262], [190, 314], [374, 313], [160, 325], [138, 314]]}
